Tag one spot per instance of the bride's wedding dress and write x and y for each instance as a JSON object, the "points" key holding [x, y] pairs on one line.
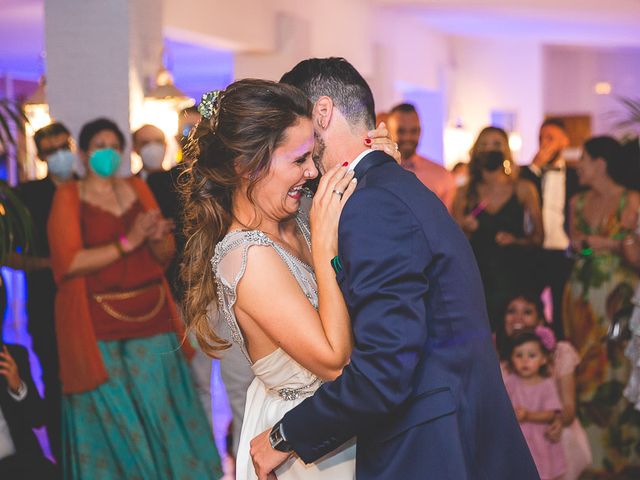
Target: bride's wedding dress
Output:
{"points": [[280, 382]]}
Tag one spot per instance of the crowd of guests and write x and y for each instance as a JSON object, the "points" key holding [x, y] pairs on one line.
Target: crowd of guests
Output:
{"points": [[570, 231], [123, 391], [124, 396]]}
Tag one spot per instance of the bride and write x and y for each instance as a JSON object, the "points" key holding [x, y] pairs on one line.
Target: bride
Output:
{"points": [[266, 264]]}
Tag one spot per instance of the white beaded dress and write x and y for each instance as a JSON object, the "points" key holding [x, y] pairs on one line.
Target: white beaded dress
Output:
{"points": [[280, 382]]}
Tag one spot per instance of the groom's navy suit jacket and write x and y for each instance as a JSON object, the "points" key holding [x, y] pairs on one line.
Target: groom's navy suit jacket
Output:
{"points": [[423, 391]]}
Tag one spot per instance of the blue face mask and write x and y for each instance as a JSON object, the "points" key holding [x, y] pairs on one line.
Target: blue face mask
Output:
{"points": [[104, 162], [61, 164]]}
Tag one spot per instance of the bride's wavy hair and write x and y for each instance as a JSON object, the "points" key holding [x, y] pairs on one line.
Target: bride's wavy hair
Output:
{"points": [[236, 139]]}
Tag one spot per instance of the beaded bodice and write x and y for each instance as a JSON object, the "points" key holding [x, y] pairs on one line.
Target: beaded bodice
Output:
{"points": [[229, 264], [279, 372]]}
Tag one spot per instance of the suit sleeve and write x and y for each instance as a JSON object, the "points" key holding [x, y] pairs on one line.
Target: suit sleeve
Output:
{"points": [[30, 407], [385, 257]]}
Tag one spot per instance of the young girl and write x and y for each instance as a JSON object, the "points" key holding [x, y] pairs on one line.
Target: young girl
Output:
{"points": [[535, 397], [526, 312]]}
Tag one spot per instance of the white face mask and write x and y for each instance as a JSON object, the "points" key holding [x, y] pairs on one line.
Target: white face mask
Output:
{"points": [[152, 155], [61, 163]]}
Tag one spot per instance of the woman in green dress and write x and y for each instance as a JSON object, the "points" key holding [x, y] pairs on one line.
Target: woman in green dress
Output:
{"points": [[597, 306]]}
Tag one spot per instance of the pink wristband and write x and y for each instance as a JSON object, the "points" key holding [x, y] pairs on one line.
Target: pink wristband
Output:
{"points": [[478, 210], [124, 243]]}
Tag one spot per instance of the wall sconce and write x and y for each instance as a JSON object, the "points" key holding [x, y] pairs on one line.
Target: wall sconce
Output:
{"points": [[36, 110], [602, 88], [163, 103]]}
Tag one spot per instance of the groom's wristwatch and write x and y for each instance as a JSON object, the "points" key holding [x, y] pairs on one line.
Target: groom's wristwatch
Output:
{"points": [[278, 440]]}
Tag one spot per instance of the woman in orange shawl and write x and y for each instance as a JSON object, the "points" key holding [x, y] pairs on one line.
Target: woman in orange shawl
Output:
{"points": [[130, 409]]}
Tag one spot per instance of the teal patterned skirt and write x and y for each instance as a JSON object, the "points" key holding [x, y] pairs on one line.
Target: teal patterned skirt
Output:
{"points": [[145, 423]]}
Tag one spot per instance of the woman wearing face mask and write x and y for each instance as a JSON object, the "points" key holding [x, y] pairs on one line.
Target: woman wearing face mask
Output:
{"points": [[500, 214], [129, 404]]}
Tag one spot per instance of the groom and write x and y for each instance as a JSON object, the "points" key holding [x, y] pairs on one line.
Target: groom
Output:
{"points": [[423, 391]]}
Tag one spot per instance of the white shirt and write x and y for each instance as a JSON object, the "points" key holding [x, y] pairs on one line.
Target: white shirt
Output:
{"points": [[7, 447], [554, 184], [355, 163]]}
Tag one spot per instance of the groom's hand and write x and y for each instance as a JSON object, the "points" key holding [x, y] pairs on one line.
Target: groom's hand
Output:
{"points": [[265, 458]]}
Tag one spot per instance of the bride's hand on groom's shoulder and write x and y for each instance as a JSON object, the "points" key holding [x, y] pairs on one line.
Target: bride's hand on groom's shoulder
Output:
{"points": [[380, 139], [334, 189], [265, 458]]}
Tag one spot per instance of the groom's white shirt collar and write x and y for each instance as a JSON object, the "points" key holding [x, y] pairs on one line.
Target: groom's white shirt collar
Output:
{"points": [[355, 163]]}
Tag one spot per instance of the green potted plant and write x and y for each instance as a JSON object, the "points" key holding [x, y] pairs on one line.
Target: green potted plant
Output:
{"points": [[15, 220]]}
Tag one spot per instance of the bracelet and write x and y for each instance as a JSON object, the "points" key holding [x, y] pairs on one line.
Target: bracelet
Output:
{"points": [[336, 264], [125, 244], [629, 240]]}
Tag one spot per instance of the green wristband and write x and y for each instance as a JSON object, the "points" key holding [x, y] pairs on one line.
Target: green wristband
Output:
{"points": [[336, 264]]}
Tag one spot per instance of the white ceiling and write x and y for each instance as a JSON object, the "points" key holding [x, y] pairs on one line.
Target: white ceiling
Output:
{"points": [[566, 22], [572, 22]]}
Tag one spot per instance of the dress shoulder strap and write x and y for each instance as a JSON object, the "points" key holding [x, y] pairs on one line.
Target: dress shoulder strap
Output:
{"points": [[581, 223], [621, 204], [229, 264]]}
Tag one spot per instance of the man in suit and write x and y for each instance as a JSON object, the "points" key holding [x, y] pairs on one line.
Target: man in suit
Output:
{"points": [[21, 410], [55, 146], [556, 183], [423, 391], [150, 143]]}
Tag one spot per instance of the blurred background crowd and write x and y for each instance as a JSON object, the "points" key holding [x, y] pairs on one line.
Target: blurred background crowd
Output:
{"points": [[523, 120]]}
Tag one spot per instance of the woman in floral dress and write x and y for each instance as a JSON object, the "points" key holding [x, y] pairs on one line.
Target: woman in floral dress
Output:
{"points": [[597, 307]]}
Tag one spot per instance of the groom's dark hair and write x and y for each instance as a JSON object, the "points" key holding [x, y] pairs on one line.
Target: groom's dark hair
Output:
{"points": [[337, 79]]}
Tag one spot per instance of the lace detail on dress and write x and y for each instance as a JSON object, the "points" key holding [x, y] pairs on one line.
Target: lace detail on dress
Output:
{"points": [[229, 264]]}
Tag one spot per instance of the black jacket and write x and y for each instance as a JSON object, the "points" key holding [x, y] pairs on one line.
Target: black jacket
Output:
{"points": [[22, 416], [572, 186]]}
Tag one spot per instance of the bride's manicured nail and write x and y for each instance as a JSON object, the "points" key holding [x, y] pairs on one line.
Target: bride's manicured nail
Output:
{"points": [[367, 141], [345, 164]]}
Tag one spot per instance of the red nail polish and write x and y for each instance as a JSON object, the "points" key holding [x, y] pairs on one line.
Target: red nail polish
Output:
{"points": [[345, 164], [367, 141]]}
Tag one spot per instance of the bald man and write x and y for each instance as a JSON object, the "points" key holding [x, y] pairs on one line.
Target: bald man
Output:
{"points": [[150, 143]]}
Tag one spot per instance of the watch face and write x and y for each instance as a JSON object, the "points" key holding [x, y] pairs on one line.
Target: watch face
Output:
{"points": [[277, 440], [275, 437]]}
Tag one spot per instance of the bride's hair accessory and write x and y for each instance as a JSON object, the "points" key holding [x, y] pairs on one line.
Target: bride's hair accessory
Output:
{"points": [[210, 105]]}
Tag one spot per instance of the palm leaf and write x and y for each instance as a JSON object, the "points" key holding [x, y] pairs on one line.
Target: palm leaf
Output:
{"points": [[16, 225], [10, 112], [631, 115], [6, 135]]}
